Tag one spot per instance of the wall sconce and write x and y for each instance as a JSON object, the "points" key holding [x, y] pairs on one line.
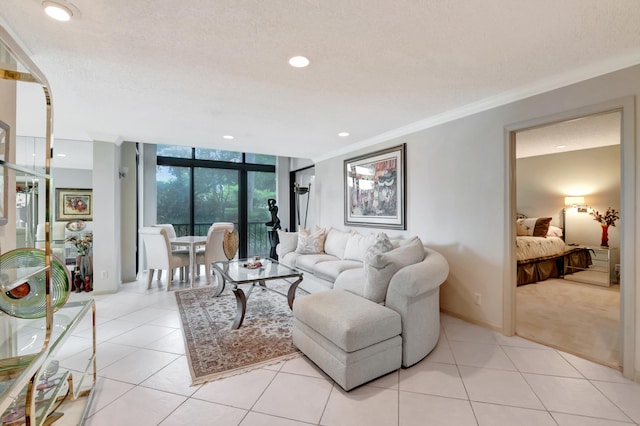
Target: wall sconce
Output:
{"points": [[122, 172], [577, 202]]}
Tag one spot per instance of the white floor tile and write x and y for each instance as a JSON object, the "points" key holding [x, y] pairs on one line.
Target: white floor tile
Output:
{"points": [[442, 352], [295, 397], [573, 420], [138, 366], [303, 366], [518, 341], [365, 405], [172, 343], [539, 361], [492, 415], [573, 396], [106, 391], [167, 319], [421, 410], [140, 407], [109, 330], [174, 378], [434, 379], [259, 419], [594, 371], [388, 381], [499, 387], [240, 391], [142, 335], [481, 355], [195, 411], [144, 316], [625, 395]]}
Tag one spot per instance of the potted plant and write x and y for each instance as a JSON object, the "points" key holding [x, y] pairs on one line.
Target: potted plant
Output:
{"points": [[608, 219]]}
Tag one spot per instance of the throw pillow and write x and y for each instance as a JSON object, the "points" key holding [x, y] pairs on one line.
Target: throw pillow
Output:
{"points": [[311, 243], [357, 246], [288, 242], [533, 227], [336, 242], [382, 245], [381, 267]]}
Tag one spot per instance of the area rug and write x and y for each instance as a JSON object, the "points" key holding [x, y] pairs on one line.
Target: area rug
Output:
{"points": [[215, 351]]}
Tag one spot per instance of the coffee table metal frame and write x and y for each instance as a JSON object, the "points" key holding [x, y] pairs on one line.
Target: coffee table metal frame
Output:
{"points": [[235, 274]]}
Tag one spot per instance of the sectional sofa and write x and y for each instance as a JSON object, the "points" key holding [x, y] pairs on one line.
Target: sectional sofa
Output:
{"points": [[382, 293]]}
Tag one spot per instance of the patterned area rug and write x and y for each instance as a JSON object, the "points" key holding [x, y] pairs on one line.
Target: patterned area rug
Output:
{"points": [[215, 351]]}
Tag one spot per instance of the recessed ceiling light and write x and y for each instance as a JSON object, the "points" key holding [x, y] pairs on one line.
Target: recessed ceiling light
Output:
{"points": [[57, 11], [561, 146], [298, 61], [343, 134], [227, 137], [61, 155]]}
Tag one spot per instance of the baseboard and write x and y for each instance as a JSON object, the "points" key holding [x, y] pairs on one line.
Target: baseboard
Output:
{"points": [[473, 321]]}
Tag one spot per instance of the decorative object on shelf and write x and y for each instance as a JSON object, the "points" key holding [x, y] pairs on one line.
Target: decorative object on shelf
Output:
{"points": [[299, 191], [76, 225], [28, 300], [274, 223], [230, 244], [83, 273], [74, 204], [375, 189], [608, 219]]}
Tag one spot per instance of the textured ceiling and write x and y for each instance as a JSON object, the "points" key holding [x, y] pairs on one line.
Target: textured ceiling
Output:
{"points": [[189, 72]]}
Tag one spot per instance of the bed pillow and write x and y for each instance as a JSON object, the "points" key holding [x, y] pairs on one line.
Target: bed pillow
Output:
{"points": [[311, 242], [554, 231], [533, 227]]}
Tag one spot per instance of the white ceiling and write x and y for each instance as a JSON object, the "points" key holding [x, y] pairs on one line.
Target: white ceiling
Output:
{"points": [[189, 72], [582, 133]]}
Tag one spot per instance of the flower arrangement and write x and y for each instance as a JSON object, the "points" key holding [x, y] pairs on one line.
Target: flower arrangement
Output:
{"points": [[83, 244], [608, 219]]}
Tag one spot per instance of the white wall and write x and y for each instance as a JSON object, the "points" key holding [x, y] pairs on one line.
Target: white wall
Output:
{"points": [[458, 193]]}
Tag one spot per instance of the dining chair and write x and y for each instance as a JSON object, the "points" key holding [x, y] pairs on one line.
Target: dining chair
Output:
{"points": [[213, 251], [171, 233], [159, 255]]}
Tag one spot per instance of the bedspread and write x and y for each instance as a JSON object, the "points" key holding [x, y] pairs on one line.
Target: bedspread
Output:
{"points": [[528, 248]]}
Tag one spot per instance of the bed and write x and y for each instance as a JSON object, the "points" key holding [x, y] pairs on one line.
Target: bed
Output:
{"points": [[542, 253]]}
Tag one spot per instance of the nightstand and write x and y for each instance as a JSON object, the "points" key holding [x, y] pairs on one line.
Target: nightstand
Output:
{"points": [[602, 269]]}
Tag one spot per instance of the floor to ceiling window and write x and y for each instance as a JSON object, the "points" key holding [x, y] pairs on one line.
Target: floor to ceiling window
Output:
{"points": [[197, 187]]}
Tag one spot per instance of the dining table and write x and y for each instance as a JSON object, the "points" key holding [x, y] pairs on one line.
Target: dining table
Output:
{"points": [[192, 242]]}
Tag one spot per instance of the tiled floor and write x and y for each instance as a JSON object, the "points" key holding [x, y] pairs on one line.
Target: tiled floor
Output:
{"points": [[473, 377]]}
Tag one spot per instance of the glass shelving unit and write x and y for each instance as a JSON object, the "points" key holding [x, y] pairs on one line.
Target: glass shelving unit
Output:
{"points": [[41, 381]]}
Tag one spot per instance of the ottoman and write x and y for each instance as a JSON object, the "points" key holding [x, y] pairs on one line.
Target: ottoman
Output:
{"points": [[352, 339]]}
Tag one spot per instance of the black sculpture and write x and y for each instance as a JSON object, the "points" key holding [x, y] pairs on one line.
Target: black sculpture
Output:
{"points": [[274, 223]]}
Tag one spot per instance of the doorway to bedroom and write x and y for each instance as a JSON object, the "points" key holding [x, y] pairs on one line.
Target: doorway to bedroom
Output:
{"points": [[568, 288]]}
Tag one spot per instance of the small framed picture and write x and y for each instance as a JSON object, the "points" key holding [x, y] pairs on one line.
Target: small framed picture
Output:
{"points": [[74, 204]]}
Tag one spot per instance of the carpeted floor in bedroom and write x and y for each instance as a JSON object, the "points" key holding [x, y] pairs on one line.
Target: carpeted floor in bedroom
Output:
{"points": [[581, 319]]}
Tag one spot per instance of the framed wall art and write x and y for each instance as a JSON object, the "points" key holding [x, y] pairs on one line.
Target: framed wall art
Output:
{"points": [[375, 189], [73, 204]]}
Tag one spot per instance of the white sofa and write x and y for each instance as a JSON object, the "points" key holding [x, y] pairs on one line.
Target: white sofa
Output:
{"points": [[402, 275]]}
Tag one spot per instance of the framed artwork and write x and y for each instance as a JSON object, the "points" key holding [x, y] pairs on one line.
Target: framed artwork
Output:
{"points": [[73, 204], [375, 189], [4, 173]]}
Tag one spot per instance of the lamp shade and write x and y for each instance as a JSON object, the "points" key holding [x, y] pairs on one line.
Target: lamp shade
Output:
{"points": [[573, 201]]}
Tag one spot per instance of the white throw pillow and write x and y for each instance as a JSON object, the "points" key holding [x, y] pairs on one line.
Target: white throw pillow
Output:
{"points": [[382, 245], [357, 246], [288, 242], [311, 243], [381, 267], [336, 242]]}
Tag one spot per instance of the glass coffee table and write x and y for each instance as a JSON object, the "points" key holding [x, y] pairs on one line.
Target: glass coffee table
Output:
{"points": [[242, 271]]}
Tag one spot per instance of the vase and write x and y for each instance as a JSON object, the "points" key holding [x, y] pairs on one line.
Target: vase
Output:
{"points": [[605, 236]]}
